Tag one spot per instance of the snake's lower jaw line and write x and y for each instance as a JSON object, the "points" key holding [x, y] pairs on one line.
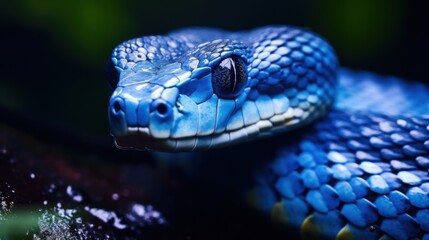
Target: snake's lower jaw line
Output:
{"points": [[142, 138], [139, 138]]}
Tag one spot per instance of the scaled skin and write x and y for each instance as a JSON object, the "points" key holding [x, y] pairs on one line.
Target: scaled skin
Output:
{"points": [[359, 175], [290, 81]]}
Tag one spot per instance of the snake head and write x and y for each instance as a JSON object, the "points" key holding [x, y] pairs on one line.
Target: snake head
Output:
{"points": [[200, 89]]}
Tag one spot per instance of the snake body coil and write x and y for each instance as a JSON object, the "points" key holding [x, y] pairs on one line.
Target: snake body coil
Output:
{"points": [[352, 174]]}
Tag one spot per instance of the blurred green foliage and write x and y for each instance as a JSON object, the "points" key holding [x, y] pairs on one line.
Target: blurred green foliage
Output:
{"points": [[81, 29], [361, 30], [16, 225]]}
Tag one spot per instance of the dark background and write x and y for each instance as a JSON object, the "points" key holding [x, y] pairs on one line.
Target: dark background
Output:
{"points": [[53, 52]]}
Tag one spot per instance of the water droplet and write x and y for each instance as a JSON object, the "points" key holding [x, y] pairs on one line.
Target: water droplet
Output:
{"points": [[4, 150], [74, 194], [147, 214], [45, 202], [139, 209], [108, 216], [51, 188], [115, 196], [70, 212]]}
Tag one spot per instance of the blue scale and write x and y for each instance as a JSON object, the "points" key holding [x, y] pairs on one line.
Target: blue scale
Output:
{"points": [[348, 163]]}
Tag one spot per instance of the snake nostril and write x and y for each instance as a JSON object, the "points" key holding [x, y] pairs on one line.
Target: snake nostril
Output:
{"points": [[162, 108], [116, 107]]}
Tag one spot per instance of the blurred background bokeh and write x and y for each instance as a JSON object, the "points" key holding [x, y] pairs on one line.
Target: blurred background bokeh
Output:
{"points": [[53, 52]]}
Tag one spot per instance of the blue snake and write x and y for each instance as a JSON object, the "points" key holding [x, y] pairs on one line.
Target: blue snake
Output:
{"points": [[348, 152]]}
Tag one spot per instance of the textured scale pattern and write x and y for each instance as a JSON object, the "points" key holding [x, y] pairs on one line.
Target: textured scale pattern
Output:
{"points": [[356, 175], [359, 172], [364, 91], [291, 81]]}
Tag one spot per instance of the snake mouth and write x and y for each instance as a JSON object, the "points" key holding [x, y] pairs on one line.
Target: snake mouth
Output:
{"points": [[140, 138]]}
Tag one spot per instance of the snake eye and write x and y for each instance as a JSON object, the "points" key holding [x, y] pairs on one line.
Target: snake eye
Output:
{"points": [[112, 75], [229, 77]]}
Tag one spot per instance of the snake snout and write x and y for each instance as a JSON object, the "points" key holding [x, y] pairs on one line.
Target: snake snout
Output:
{"points": [[152, 116]]}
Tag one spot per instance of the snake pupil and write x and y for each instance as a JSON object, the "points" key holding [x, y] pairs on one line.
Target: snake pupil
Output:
{"points": [[229, 77]]}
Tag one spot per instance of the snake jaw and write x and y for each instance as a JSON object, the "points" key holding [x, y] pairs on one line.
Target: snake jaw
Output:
{"points": [[141, 138]]}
